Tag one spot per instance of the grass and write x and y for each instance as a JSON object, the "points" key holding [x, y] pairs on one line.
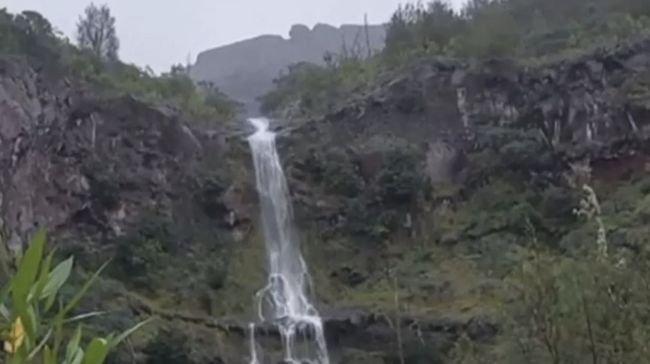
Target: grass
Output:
{"points": [[246, 275]]}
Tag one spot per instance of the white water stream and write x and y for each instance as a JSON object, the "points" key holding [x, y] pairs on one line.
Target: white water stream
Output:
{"points": [[283, 302]]}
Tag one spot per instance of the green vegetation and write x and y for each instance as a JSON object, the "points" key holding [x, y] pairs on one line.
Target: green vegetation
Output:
{"points": [[35, 320], [526, 30], [314, 89], [513, 28], [169, 346], [581, 310], [581, 298], [563, 309], [96, 32], [563, 275], [95, 62]]}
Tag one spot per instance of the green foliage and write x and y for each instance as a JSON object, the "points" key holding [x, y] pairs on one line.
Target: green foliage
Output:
{"points": [[336, 170], [520, 28], [142, 254], [528, 30], [96, 32], [415, 29], [587, 305], [29, 34], [399, 182], [305, 83], [569, 310], [378, 206], [312, 89], [169, 346], [203, 101], [138, 259], [580, 310], [34, 325]]}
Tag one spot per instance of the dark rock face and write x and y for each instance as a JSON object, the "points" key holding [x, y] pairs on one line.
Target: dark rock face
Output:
{"points": [[245, 70], [460, 123], [93, 169]]}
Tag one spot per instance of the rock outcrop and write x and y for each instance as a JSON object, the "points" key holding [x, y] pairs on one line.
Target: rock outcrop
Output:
{"points": [[462, 122], [245, 70], [92, 168]]}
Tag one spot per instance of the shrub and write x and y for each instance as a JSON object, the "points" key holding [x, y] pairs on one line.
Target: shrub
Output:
{"points": [[169, 346], [34, 326]]}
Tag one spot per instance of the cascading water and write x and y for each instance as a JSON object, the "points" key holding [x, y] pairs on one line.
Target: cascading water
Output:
{"points": [[283, 301]]}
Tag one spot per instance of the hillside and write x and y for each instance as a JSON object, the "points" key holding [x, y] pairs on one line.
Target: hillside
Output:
{"points": [[456, 203]]}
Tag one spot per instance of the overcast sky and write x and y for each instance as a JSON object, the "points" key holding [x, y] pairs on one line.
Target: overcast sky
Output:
{"points": [[160, 33]]}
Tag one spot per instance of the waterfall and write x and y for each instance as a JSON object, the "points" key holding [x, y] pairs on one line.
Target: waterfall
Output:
{"points": [[283, 302]]}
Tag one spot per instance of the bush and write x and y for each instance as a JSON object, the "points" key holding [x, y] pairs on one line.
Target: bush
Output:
{"points": [[29, 34], [526, 28], [169, 346], [581, 310], [399, 181], [311, 89], [34, 328]]}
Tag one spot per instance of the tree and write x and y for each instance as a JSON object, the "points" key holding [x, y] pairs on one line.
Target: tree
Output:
{"points": [[439, 24], [401, 33], [29, 33], [429, 28], [36, 24], [96, 32], [179, 69]]}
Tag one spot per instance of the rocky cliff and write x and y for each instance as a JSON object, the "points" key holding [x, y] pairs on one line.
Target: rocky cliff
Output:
{"points": [[436, 182], [118, 179], [461, 124], [415, 200], [245, 70]]}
